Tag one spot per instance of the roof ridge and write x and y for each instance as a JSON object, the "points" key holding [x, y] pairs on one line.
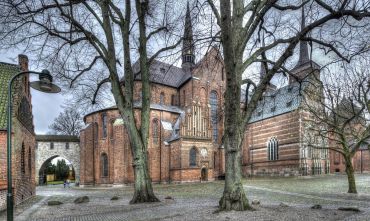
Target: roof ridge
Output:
{"points": [[10, 64]]}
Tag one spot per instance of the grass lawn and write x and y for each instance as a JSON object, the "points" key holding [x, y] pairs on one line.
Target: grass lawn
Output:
{"points": [[326, 184], [58, 182]]}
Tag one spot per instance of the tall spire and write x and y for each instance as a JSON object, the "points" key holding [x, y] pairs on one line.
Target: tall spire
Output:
{"points": [[188, 44], [303, 47], [270, 86], [262, 70]]}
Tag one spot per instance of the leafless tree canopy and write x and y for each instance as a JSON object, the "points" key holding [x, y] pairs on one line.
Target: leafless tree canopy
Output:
{"points": [[69, 38], [341, 112], [69, 122]]}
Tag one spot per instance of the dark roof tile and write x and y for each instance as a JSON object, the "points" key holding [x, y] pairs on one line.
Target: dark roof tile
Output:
{"points": [[6, 73], [163, 73], [283, 100], [57, 138]]}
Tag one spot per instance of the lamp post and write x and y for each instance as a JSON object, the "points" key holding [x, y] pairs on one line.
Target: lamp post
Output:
{"points": [[45, 85]]}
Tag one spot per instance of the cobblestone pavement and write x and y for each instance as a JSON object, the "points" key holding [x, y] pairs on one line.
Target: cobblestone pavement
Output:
{"points": [[199, 201]]}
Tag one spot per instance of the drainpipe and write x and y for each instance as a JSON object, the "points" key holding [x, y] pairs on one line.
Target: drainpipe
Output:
{"points": [[94, 146], [160, 149], [251, 154]]}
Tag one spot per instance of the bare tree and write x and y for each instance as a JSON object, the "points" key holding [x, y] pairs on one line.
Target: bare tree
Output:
{"points": [[340, 115], [68, 122], [90, 45], [242, 25]]}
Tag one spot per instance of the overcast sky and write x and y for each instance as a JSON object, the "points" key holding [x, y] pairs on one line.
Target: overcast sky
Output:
{"points": [[45, 107]]}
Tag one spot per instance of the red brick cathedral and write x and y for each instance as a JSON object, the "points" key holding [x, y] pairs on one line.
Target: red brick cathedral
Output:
{"points": [[186, 128]]}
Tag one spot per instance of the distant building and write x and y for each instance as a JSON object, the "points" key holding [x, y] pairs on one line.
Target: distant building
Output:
{"points": [[23, 148]]}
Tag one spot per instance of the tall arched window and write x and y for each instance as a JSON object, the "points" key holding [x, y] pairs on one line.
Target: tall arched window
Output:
{"points": [[213, 101], [104, 127], [104, 165], [111, 129], [23, 166], [273, 149], [193, 157], [96, 133], [161, 98], [173, 102], [29, 161], [155, 126]]}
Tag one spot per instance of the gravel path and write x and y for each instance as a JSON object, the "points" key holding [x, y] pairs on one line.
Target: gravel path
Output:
{"points": [[199, 201]]}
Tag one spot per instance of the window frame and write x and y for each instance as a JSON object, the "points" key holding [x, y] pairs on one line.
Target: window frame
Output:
{"points": [[155, 131], [193, 157], [104, 165], [273, 149], [213, 101]]}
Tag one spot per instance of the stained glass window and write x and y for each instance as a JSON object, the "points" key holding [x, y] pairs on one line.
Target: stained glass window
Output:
{"points": [[155, 131], [213, 101], [273, 149], [104, 164], [193, 157]]}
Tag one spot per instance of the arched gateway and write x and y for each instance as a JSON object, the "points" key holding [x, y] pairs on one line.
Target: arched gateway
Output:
{"points": [[49, 147]]}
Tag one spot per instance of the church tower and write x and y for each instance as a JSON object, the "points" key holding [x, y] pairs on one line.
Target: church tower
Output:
{"points": [[188, 57], [305, 66]]}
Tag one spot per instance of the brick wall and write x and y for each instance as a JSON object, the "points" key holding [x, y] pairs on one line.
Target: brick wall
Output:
{"points": [[23, 141], [360, 162], [164, 158], [286, 129]]}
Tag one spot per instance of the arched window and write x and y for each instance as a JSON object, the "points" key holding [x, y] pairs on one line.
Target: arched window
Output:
{"points": [[161, 98], [273, 149], [155, 133], [104, 165], [104, 127], [193, 157], [213, 101], [183, 97], [29, 161], [111, 130], [203, 95], [173, 102], [23, 166], [95, 132]]}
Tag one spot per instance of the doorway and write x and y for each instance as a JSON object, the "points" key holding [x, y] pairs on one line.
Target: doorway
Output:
{"points": [[204, 174]]}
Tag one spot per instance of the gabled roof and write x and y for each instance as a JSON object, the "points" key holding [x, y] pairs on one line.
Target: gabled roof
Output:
{"points": [[163, 73], [6, 73], [283, 100]]}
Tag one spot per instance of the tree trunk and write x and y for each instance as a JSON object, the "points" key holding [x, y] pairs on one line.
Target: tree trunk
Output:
{"points": [[350, 175], [143, 190], [143, 183], [234, 197]]}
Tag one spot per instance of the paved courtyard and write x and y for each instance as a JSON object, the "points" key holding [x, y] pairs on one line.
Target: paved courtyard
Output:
{"points": [[280, 198]]}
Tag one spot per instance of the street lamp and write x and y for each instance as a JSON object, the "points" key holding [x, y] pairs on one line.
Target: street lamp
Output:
{"points": [[45, 85]]}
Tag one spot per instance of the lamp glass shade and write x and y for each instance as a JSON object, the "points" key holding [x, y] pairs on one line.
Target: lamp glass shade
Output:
{"points": [[45, 87]]}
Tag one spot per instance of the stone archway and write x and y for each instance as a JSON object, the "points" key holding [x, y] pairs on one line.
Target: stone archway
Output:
{"points": [[41, 174], [204, 174], [52, 146], [41, 170]]}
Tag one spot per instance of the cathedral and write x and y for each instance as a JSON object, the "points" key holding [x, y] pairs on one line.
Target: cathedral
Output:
{"points": [[186, 126]]}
